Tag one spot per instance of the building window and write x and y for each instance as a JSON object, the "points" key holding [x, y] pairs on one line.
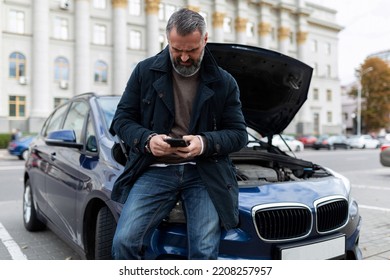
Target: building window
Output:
{"points": [[61, 28], [328, 48], [135, 7], [161, 12], [169, 10], [291, 37], [273, 33], [161, 40], [17, 106], [135, 40], [61, 69], [205, 16], [99, 4], [315, 69], [345, 116], [227, 25], [313, 45], [165, 11], [101, 70], [59, 101], [316, 123], [17, 65], [329, 95], [328, 71], [329, 117], [16, 21], [250, 29], [315, 94], [99, 34]]}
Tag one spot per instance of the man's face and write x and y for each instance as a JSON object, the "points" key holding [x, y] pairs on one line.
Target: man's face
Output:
{"points": [[186, 52]]}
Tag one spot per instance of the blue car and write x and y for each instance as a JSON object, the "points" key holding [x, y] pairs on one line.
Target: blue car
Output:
{"points": [[289, 208], [20, 146]]}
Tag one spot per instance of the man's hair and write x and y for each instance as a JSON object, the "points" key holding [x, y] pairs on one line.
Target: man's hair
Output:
{"points": [[186, 22]]}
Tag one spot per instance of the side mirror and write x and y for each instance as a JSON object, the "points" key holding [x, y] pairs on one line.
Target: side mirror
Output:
{"points": [[63, 138]]}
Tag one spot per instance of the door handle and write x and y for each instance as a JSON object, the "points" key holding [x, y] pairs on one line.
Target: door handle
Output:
{"points": [[53, 156]]}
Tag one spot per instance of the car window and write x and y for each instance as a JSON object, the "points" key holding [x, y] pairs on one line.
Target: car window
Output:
{"points": [[108, 106], [91, 145], [75, 119], [56, 119]]}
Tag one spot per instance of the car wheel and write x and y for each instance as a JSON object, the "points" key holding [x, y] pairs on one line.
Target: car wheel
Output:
{"points": [[24, 155], [105, 229], [30, 219]]}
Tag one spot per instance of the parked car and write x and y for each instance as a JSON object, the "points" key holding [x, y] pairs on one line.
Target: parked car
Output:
{"points": [[286, 143], [384, 155], [20, 146], [308, 140], [364, 141], [331, 143], [289, 208]]}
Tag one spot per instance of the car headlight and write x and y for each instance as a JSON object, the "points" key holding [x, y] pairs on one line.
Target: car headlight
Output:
{"points": [[353, 209], [346, 181]]}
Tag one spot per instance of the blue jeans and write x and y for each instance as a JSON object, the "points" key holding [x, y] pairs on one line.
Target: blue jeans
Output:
{"points": [[152, 198]]}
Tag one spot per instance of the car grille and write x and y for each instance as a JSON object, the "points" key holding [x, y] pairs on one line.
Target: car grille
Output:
{"points": [[287, 222], [331, 215], [283, 223]]}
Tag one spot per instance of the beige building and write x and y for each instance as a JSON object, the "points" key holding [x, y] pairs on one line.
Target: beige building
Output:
{"points": [[51, 50]]}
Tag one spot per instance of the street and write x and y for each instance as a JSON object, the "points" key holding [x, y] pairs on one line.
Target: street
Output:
{"points": [[370, 185]]}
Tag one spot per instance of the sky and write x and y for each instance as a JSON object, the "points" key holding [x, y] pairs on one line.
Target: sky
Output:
{"points": [[366, 31]]}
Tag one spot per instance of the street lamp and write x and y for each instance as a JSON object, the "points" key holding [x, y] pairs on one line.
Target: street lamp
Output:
{"points": [[359, 100]]}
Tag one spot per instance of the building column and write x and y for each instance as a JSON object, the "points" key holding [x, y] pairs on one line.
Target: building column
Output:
{"points": [[241, 22], [264, 28], [302, 16], [304, 116], [283, 30], [240, 25], [218, 18], [120, 72], [193, 5], [283, 36], [41, 99], [82, 73], [152, 27]]}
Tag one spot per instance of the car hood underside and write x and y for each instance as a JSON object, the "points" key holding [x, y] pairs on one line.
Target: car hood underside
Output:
{"points": [[273, 87]]}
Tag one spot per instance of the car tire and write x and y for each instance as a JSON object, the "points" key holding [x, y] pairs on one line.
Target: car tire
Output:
{"points": [[105, 230], [24, 155], [30, 218]]}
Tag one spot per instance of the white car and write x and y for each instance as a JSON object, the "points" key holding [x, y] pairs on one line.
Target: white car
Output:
{"points": [[364, 141], [289, 143]]}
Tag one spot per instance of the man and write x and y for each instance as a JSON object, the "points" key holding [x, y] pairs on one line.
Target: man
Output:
{"points": [[179, 93]]}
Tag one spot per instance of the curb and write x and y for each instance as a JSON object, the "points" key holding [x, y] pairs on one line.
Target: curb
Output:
{"points": [[4, 155]]}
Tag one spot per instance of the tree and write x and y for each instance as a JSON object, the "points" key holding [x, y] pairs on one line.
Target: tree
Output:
{"points": [[375, 94]]}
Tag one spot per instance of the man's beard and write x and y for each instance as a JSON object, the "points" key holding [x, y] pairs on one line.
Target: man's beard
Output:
{"points": [[187, 71]]}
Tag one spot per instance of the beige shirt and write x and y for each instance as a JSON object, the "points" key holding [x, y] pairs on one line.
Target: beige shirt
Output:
{"points": [[184, 91]]}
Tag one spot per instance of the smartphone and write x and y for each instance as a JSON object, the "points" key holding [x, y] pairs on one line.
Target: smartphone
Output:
{"points": [[176, 142]]}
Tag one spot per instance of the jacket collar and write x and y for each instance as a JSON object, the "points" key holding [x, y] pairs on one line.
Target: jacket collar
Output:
{"points": [[209, 71]]}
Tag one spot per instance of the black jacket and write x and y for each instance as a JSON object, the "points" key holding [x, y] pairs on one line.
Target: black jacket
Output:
{"points": [[147, 106]]}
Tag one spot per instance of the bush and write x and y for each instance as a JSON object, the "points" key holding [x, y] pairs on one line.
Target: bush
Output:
{"points": [[4, 140]]}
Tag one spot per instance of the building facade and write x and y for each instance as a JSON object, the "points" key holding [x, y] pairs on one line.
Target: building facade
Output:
{"points": [[51, 50]]}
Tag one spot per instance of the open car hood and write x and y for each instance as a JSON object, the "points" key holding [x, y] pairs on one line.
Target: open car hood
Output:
{"points": [[273, 86]]}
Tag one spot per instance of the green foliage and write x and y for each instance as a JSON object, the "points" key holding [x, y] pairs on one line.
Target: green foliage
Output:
{"points": [[4, 140]]}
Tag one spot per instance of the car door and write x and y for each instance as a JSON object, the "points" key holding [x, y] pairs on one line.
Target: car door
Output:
{"points": [[40, 157], [63, 178]]}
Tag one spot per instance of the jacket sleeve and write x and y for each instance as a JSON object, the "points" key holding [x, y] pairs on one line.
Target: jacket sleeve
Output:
{"points": [[229, 133], [126, 122]]}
